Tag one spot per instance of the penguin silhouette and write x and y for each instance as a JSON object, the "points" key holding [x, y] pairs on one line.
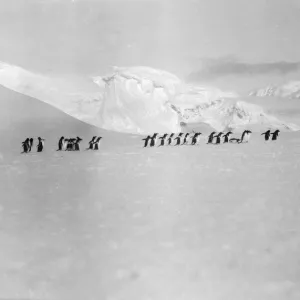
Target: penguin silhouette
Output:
{"points": [[91, 143], [178, 141], [40, 145], [218, 138], [185, 139], [267, 135], [153, 140], [146, 141], [196, 139], [76, 144], [60, 143], [97, 143], [211, 138], [170, 139], [226, 136], [275, 135], [26, 146]]}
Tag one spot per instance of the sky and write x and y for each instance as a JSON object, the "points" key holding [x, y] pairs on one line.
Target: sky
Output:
{"points": [[186, 37]]}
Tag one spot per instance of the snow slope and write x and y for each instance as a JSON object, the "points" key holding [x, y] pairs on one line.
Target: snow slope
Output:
{"points": [[78, 97], [128, 223], [288, 90]]}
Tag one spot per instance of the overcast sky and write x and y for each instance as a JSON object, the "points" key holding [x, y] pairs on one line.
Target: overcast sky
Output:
{"points": [[88, 36]]}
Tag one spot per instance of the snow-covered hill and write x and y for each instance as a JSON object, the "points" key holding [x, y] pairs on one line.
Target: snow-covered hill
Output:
{"points": [[78, 97], [143, 100], [287, 90]]}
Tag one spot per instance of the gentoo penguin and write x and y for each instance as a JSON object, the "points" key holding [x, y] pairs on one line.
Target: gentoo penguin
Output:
{"points": [[153, 140], [30, 143], [226, 136], [275, 135], [267, 135], [97, 143], [26, 146], [60, 143], [178, 141], [211, 138], [40, 145], [76, 144], [146, 141], [185, 139], [91, 143], [218, 138]]}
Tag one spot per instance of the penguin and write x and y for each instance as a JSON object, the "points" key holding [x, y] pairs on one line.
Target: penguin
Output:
{"points": [[153, 140], [30, 144], [185, 139], [178, 139], [226, 136], [97, 143], [267, 135], [40, 145], [91, 143], [162, 142], [195, 139], [234, 140], [275, 135], [218, 138], [146, 141], [211, 138], [26, 146], [76, 144], [60, 143], [246, 136], [170, 139], [70, 145], [65, 144]]}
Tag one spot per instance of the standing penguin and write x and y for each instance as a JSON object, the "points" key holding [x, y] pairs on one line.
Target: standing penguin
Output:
{"points": [[146, 141], [65, 144], [218, 138], [97, 143], [91, 143], [211, 138], [153, 140], [76, 144], [60, 143], [267, 135], [246, 136], [26, 146], [170, 139], [275, 135], [185, 139], [40, 145], [30, 143], [226, 136], [162, 142], [178, 141]]}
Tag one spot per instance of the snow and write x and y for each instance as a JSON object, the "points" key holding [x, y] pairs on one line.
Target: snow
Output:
{"points": [[206, 222], [144, 100], [289, 89]]}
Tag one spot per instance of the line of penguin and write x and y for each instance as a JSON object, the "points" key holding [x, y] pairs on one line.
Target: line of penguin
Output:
{"points": [[64, 144], [194, 139]]}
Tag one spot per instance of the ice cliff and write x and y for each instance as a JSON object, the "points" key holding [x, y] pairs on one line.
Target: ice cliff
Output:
{"points": [[145, 100]]}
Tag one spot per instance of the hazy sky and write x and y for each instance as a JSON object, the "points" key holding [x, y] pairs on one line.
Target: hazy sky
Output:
{"points": [[88, 36]]}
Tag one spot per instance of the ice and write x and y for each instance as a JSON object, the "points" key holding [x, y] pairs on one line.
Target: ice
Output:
{"points": [[205, 222]]}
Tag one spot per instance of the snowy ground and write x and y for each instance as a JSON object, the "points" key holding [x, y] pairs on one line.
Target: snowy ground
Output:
{"points": [[128, 223]]}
